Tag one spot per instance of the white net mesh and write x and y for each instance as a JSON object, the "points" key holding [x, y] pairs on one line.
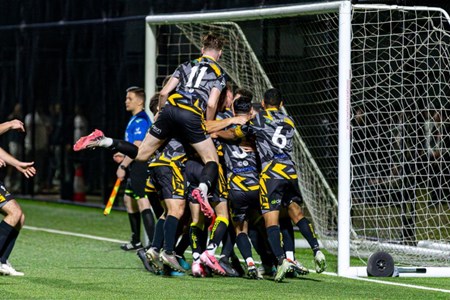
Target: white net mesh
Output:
{"points": [[400, 83], [401, 165]]}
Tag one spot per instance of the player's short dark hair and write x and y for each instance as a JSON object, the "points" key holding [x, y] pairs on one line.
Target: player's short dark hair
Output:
{"points": [[244, 92], [140, 92], [154, 103], [273, 97], [213, 41], [242, 105], [257, 107]]}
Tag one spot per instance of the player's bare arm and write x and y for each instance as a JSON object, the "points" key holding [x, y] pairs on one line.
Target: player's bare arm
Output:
{"points": [[164, 94], [229, 134], [26, 168], [12, 125], [216, 125], [212, 104], [121, 170]]}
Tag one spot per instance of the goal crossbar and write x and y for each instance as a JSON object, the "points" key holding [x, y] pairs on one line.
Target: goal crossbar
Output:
{"points": [[344, 8]]}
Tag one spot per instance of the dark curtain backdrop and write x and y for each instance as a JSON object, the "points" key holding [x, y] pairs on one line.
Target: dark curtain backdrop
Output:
{"points": [[83, 54]]}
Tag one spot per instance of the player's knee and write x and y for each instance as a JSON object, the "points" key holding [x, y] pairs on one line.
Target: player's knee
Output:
{"points": [[17, 217], [21, 222]]}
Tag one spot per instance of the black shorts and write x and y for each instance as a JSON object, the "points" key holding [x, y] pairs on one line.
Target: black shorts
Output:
{"points": [[278, 193], [168, 181], [185, 125], [137, 176], [5, 196], [241, 203]]}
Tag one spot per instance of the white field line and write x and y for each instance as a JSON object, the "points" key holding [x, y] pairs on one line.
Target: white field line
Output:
{"points": [[99, 238], [87, 236]]}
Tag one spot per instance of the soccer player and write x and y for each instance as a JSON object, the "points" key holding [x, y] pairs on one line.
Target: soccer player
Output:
{"points": [[135, 172], [167, 177], [190, 96], [274, 131], [14, 217], [243, 173]]}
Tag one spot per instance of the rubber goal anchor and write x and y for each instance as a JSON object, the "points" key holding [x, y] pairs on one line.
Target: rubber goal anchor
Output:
{"points": [[380, 264]]}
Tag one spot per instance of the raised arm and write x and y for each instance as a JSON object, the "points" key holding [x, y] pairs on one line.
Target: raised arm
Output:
{"points": [[26, 168], [13, 124]]}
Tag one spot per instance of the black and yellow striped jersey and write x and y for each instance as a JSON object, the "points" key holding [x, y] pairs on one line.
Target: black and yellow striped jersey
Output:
{"points": [[196, 80], [241, 166], [172, 151], [274, 133]]}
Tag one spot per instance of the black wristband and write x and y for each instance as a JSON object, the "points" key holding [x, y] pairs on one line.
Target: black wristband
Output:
{"points": [[123, 167]]}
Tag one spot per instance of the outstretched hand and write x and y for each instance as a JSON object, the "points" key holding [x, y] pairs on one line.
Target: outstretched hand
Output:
{"points": [[26, 168], [2, 163], [240, 120], [17, 125]]}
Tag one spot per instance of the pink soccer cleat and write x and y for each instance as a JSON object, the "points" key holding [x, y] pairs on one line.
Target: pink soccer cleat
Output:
{"points": [[197, 269], [89, 141], [210, 261], [202, 199]]}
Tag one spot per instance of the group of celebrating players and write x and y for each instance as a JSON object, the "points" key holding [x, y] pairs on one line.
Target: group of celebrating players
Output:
{"points": [[217, 162]]}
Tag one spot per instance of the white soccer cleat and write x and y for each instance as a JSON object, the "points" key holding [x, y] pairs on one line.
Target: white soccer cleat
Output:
{"points": [[8, 270], [320, 261]]}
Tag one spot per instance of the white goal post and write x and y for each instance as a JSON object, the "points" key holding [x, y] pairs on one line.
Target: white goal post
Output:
{"points": [[368, 88]]}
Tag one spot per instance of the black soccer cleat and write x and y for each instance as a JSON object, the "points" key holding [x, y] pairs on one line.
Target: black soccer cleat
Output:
{"points": [[131, 246], [229, 270], [141, 254]]}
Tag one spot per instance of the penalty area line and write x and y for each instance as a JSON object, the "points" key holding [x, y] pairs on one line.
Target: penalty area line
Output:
{"points": [[86, 236]]}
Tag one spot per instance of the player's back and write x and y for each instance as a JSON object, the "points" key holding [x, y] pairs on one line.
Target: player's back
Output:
{"points": [[242, 166], [196, 80], [274, 132]]}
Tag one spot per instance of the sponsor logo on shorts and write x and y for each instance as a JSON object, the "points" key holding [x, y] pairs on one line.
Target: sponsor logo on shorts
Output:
{"points": [[275, 201], [156, 129]]}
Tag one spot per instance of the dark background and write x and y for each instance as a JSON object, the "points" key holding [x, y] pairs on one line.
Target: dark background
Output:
{"points": [[86, 53]]}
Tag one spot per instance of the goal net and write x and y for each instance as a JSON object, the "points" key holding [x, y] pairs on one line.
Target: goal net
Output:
{"points": [[398, 119]]}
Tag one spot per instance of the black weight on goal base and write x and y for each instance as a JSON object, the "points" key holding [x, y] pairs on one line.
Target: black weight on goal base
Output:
{"points": [[380, 264]]}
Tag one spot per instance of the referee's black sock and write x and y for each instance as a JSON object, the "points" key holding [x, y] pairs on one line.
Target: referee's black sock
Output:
{"points": [[307, 230], [170, 232], [273, 234], [135, 224], [149, 223]]}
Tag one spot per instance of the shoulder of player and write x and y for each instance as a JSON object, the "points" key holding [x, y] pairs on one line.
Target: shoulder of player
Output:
{"points": [[277, 116]]}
